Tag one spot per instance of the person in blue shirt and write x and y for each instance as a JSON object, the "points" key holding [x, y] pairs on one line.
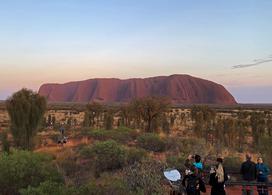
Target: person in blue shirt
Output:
{"points": [[198, 164], [262, 176]]}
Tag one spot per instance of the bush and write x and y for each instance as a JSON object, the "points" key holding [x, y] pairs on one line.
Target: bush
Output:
{"points": [[99, 134], [192, 146], [151, 142], [121, 135], [232, 164], [176, 162], [67, 162], [5, 142], [21, 169], [107, 155], [45, 188], [134, 155], [26, 109], [144, 177]]}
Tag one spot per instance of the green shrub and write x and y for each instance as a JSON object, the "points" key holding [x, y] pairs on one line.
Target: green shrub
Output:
{"points": [[99, 134], [121, 135], [21, 169], [144, 177], [133, 132], [173, 144], [193, 146], [151, 142], [134, 155], [108, 155], [85, 151], [45, 188], [84, 130], [5, 142], [176, 162]]}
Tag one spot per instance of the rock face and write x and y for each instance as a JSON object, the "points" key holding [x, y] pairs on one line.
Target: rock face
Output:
{"points": [[181, 89]]}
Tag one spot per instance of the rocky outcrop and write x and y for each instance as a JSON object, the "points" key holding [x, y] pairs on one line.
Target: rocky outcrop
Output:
{"points": [[181, 89]]}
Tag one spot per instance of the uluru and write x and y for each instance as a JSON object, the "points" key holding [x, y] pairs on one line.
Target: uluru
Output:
{"points": [[180, 89]]}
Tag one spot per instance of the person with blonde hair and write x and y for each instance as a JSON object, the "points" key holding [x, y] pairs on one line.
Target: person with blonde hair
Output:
{"points": [[218, 177]]}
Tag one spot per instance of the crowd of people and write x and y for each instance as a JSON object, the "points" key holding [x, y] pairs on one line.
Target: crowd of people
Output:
{"points": [[194, 184]]}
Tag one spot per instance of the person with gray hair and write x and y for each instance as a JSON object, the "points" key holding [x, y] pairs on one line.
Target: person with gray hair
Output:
{"points": [[248, 172]]}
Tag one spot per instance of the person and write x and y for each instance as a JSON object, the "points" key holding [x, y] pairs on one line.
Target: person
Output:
{"points": [[262, 176], [218, 177], [198, 164], [62, 129], [248, 171], [193, 184], [194, 160]]}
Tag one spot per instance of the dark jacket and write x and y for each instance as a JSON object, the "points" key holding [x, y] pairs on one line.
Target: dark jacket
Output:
{"points": [[218, 188], [248, 170], [200, 184]]}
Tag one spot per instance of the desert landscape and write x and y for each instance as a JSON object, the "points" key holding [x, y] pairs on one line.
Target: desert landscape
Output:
{"points": [[146, 97]]}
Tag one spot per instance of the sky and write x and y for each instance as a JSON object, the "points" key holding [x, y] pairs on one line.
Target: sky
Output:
{"points": [[57, 41]]}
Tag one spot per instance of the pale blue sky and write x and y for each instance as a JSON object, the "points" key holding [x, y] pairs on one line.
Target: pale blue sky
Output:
{"points": [[65, 40]]}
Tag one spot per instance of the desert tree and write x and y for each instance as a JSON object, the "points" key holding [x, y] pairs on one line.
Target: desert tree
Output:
{"points": [[109, 118], [204, 121], [126, 114], [92, 114], [26, 109], [230, 130], [242, 125], [258, 125], [150, 109]]}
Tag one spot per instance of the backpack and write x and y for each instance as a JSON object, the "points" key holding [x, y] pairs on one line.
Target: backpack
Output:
{"points": [[192, 184]]}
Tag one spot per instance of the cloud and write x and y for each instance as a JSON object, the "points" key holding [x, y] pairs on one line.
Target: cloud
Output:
{"points": [[256, 62]]}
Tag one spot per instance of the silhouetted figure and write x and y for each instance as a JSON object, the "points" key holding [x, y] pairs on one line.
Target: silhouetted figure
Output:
{"points": [[193, 183], [218, 177], [248, 171]]}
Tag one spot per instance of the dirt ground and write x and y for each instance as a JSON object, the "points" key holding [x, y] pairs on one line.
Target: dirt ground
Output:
{"points": [[233, 190]]}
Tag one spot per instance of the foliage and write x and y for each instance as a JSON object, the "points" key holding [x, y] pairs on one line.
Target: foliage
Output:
{"points": [[144, 177], [186, 146], [21, 169], [99, 134], [165, 125], [134, 155], [242, 125], [150, 109], [26, 109], [121, 135], [176, 162], [108, 118], [108, 155], [232, 163], [126, 114], [4, 140], [204, 118], [45, 188], [67, 163], [92, 114], [151, 142], [257, 122]]}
